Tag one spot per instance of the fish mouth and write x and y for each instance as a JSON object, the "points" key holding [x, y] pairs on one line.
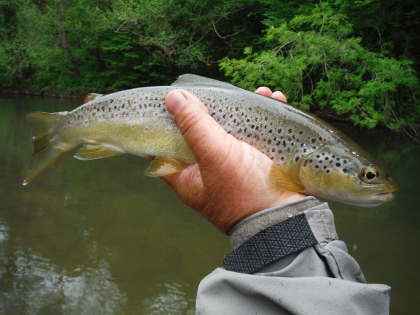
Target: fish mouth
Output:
{"points": [[378, 199], [384, 196], [374, 200]]}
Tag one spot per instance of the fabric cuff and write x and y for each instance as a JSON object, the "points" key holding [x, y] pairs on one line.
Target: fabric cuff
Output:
{"points": [[251, 225]]}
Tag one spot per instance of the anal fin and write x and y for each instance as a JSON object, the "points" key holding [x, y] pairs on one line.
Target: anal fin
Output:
{"points": [[282, 180], [161, 167], [94, 151]]}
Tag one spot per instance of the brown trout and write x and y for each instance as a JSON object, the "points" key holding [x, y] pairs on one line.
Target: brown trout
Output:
{"points": [[309, 156]]}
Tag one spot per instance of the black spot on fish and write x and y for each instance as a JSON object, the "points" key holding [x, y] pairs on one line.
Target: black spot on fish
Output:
{"points": [[344, 170], [279, 130], [337, 164], [296, 159]]}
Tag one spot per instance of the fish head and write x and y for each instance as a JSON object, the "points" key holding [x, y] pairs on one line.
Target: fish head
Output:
{"points": [[348, 176]]}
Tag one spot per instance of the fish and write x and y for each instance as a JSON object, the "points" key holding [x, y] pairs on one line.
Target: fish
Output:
{"points": [[309, 155]]}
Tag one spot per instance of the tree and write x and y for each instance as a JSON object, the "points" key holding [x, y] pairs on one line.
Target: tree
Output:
{"points": [[316, 59]]}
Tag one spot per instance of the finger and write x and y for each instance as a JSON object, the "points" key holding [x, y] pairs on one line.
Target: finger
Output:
{"points": [[279, 96], [203, 134], [263, 90]]}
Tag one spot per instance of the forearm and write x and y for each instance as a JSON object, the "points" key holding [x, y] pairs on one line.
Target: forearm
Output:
{"points": [[288, 260]]}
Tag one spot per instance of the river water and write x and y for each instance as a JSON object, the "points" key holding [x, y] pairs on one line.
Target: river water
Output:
{"points": [[98, 237]]}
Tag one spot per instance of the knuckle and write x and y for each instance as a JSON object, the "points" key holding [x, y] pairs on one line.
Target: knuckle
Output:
{"points": [[189, 122]]}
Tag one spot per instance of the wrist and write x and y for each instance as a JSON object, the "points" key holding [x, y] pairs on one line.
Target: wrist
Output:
{"points": [[228, 218], [254, 223]]}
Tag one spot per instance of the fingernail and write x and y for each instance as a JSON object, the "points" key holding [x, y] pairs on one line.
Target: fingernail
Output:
{"points": [[175, 101]]}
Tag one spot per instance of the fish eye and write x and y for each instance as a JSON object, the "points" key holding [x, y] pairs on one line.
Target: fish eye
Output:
{"points": [[369, 173]]}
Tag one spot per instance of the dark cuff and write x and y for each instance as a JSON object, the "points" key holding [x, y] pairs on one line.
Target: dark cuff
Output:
{"points": [[269, 235]]}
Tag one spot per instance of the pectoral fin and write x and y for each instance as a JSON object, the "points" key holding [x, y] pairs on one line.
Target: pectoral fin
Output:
{"points": [[161, 167], [94, 151], [282, 180]]}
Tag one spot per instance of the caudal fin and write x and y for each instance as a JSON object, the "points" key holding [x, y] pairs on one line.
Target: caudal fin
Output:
{"points": [[45, 152]]}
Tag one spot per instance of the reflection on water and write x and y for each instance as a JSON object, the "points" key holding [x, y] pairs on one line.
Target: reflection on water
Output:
{"points": [[41, 287], [100, 238], [172, 300]]}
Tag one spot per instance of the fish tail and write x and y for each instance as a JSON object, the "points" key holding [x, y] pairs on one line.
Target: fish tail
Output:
{"points": [[46, 151]]}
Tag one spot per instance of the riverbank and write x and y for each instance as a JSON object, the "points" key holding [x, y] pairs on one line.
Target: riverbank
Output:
{"points": [[27, 92]]}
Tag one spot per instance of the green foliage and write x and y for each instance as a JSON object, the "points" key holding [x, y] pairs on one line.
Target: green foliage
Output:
{"points": [[320, 65], [81, 46]]}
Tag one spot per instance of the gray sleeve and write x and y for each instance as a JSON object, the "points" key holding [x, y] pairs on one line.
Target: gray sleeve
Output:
{"points": [[319, 279]]}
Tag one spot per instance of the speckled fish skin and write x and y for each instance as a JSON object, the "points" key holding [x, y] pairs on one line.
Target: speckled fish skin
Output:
{"points": [[309, 155]]}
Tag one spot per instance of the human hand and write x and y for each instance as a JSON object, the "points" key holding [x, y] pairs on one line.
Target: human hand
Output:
{"points": [[230, 180]]}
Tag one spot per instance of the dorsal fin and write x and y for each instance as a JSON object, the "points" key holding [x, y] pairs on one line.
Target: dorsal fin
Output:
{"points": [[90, 97], [186, 80]]}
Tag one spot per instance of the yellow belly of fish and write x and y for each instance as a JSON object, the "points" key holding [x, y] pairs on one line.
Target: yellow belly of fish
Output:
{"points": [[147, 139]]}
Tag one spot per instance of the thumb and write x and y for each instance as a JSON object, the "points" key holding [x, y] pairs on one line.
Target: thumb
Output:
{"points": [[206, 138]]}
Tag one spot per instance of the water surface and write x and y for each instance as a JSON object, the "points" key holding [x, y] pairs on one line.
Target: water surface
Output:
{"points": [[98, 237]]}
